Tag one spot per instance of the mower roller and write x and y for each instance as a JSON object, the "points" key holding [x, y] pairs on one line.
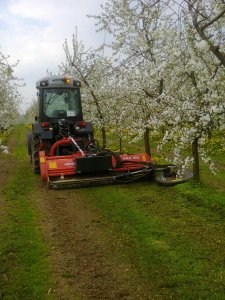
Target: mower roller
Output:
{"points": [[63, 149]]}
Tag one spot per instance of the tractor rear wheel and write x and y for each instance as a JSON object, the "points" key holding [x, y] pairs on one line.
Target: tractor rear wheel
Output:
{"points": [[35, 153]]}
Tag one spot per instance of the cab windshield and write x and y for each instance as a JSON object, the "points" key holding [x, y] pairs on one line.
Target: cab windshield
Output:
{"points": [[61, 103]]}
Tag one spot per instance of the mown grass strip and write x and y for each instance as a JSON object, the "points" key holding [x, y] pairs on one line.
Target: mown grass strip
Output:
{"points": [[175, 243], [24, 267]]}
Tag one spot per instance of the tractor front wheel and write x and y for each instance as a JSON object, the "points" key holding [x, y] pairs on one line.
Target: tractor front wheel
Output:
{"points": [[35, 153]]}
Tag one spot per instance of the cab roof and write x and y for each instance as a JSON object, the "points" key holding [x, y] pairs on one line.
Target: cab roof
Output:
{"points": [[58, 81]]}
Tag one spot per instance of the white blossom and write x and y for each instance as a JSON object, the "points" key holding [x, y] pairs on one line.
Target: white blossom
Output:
{"points": [[4, 149]]}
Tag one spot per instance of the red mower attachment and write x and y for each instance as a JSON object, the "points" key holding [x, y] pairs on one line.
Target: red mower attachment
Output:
{"points": [[82, 168], [85, 169]]}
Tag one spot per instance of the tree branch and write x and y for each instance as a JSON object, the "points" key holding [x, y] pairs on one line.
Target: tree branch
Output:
{"points": [[200, 30], [213, 20]]}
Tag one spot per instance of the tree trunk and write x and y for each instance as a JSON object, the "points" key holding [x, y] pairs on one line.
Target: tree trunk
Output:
{"points": [[103, 137], [209, 134], [147, 143], [196, 169]]}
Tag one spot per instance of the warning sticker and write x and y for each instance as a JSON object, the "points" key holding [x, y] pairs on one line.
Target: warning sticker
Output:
{"points": [[42, 160], [52, 165]]}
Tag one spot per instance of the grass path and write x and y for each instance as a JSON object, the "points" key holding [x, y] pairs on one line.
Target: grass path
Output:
{"points": [[176, 242], [24, 269], [174, 237], [101, 242]]}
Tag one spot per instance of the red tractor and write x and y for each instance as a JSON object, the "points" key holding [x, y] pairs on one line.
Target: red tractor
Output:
{"points": [[63, 149]]}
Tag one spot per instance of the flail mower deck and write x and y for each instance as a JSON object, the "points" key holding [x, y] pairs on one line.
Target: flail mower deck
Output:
{"points": [[85, 168]]}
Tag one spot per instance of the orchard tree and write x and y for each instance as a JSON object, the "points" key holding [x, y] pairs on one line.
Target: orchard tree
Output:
{"points": [[193, 99], [9, 95], [172, 69], [138, 30], [94, 72], [31, 112], [120, 114]]}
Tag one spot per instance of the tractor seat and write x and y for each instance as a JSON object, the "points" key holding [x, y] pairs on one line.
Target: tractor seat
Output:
{"points": [[59, 114]]}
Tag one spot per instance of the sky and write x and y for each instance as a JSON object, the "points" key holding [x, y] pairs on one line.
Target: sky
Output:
{"points": [[33, 32]]}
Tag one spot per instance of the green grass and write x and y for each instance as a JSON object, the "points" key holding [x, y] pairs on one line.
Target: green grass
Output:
{"points": [[174, 236], [24, 267]]}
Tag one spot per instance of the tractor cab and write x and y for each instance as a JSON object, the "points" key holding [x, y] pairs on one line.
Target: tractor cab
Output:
{"points": [[59, 98], [59, 116]]}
